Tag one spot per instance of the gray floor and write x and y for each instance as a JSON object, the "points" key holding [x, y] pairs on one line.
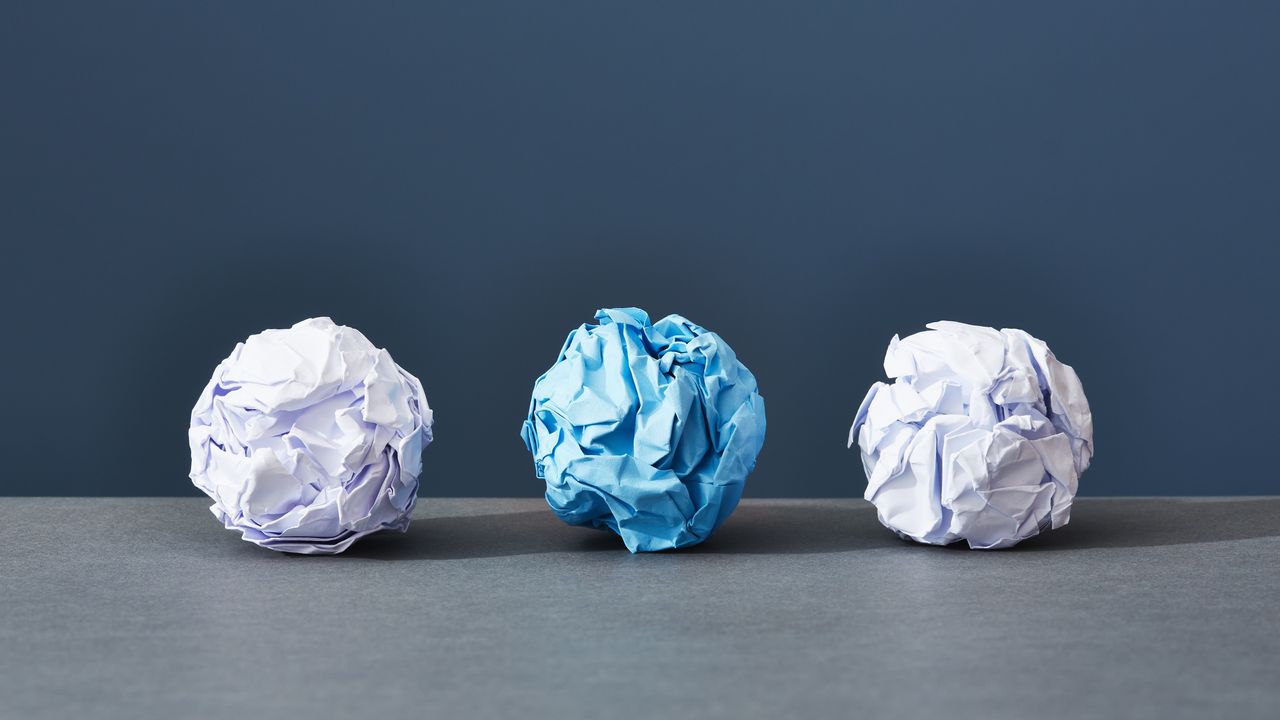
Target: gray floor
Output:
{"points": [[141, 608]]}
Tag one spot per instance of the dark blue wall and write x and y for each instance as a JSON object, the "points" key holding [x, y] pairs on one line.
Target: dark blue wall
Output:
{"points": [[466, 182]]}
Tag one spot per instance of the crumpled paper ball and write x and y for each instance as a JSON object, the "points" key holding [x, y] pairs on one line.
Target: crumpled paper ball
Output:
{"points": [[982, 437], [310, 438], [649, 430]]}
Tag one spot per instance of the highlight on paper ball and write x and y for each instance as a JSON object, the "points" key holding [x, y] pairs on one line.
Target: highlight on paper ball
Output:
{"points": [[982, 437], [646, 429], [310, 438]]}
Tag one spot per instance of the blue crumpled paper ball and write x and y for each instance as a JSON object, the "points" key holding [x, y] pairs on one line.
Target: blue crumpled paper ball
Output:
{"points": [[649, 430]]}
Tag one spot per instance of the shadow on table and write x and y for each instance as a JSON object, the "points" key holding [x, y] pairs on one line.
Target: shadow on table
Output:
{"points": [[791, 528], [764, 528], [758, 528], [1132, 523], [480, 536], [1095, 524]]}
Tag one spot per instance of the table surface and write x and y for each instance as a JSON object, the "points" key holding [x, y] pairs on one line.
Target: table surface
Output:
{"points": [[140, 608]]}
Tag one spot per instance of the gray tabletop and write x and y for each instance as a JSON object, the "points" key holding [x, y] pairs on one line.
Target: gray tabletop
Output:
{"points": [[145, 608]]}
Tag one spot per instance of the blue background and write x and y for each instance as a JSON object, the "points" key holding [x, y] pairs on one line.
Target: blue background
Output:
{"points": [[467, 182]]}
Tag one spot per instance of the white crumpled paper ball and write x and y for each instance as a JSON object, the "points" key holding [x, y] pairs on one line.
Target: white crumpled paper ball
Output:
{"points": [[982, 437], [310, 438]]}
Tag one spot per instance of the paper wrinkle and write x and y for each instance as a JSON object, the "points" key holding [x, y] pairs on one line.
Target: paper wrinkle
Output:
{"points": [[982, 437], [646, 429], [309, 438]]}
